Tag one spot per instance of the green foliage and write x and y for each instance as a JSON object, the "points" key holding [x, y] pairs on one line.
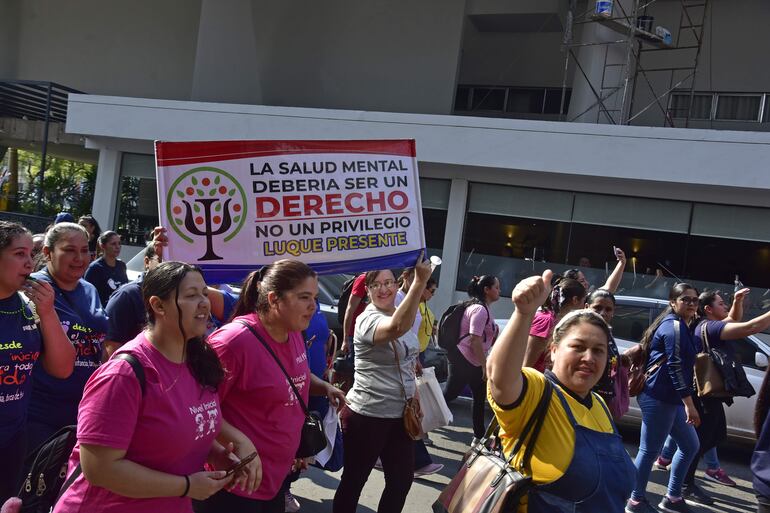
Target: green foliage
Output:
{"points": [[67, 186]]}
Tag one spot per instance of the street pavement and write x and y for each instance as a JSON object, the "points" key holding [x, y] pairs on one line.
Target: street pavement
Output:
{"points": [[315, 489]]}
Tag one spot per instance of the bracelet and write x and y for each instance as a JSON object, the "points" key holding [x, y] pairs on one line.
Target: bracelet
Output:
{"points": [[186, 486]]}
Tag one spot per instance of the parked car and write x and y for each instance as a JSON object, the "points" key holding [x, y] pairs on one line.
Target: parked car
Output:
{"points": [[634, 314]]}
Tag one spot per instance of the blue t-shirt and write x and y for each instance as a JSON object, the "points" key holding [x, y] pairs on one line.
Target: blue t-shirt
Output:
{"points": [[126, 312], [714, 334], [106, 279], [20, 346], [316, 335], [55, 401]]}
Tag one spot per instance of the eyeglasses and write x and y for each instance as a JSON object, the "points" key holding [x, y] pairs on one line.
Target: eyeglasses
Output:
{"points": [[387, 284], [689, 300]]}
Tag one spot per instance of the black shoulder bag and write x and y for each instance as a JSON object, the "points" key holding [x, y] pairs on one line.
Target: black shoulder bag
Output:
{"points": [[313, 439]]}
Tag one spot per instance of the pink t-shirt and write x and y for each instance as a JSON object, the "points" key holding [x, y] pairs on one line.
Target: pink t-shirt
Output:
{"points": [[542, 326], [257, 399], [476, 321], [170, 429]]}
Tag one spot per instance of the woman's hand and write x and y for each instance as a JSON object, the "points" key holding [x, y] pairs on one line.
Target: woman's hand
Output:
{"points": [[741, 295], [532, 292], [422, 270], [41, 294], [159, 240], [336, 397], [692, 414], [620, 255], [249, 477], [299, 464], [205, 484]]}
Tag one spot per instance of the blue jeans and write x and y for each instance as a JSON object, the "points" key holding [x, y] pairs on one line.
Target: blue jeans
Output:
{"points": [[658, 420], [709, 457]]}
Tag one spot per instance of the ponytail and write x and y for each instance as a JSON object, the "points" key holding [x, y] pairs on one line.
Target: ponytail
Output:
{"points": [[478, 284], [279, 277]]}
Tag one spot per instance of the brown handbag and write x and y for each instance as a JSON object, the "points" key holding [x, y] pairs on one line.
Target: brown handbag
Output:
{"points": [[639, 371], [708, 377], [412, 413], [486, 482]]}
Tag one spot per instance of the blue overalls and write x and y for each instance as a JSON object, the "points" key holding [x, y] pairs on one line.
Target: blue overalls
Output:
{"points": [[599, 479]]}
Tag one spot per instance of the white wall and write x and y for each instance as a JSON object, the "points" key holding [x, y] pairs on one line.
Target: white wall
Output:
{"points": [[137, 48], [9, 37], [382, 55]]}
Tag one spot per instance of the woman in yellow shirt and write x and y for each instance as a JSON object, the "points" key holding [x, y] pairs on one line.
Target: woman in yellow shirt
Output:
{"points": [[579, 463]]}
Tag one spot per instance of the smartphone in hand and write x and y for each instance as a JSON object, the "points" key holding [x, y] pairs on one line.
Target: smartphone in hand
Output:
{"points": [[241, 464]]}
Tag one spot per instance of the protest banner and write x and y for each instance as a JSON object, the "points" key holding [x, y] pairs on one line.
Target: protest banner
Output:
{"points": [[339, 206]]}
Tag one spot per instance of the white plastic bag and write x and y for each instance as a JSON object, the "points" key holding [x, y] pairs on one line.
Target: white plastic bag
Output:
{"points": [[435, 411], [331, 419]]}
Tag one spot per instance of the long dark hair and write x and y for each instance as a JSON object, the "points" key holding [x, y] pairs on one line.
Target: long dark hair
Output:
{"points": [[675, 292], [563, 291], [162, 282], [477, 285], [763, 405], [279, 277]]}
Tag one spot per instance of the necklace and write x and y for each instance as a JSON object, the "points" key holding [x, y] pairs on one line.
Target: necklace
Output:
{"points": [[21, 310]]}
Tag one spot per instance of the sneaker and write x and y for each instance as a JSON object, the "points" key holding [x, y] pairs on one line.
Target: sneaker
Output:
{"points": [[640, 507], [693, 494], [290, 503], [720, 476], [475, 441], [670, 506], [431, 468], [662, 463]]}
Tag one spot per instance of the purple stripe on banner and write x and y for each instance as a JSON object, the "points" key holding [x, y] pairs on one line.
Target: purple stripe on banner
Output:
{"points": [[224, 273]]}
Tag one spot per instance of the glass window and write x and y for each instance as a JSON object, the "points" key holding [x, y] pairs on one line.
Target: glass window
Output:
{"points": [[462, 97], [511, 248], [137, 208], [627, 212], [488, 98], [528, 101], [435, 193], [591, 246], [553, 101], [738, 107], [731, 222], [520, 202], [435, 227], [630, 322], [701, 105]]}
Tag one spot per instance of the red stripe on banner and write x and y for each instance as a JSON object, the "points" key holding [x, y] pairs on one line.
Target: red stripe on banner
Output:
{"points": [[197, 152]]}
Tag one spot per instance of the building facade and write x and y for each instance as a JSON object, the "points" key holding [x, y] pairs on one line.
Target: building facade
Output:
{"points": [[508, 186]]}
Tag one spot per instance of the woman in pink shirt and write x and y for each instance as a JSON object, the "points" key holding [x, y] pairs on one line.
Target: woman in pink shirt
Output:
{"points": [[478, 332], [277, 303], [143, 451], [566, 296]]}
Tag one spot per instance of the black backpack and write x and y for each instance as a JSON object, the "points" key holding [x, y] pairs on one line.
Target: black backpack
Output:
{"points": [[342, 304], [47, 464], [449, 325]]}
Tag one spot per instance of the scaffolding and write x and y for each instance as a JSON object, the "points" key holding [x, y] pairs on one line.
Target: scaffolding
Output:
{"points": [[621, 82]]}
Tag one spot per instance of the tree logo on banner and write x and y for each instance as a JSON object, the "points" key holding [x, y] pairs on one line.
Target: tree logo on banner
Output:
{"points": [[206, 202]]}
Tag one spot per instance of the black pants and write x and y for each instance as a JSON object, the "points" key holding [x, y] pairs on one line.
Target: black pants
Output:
{"points": [[13, 453], [226, 502], [711, 432], [365, 439], [461, 373]]}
